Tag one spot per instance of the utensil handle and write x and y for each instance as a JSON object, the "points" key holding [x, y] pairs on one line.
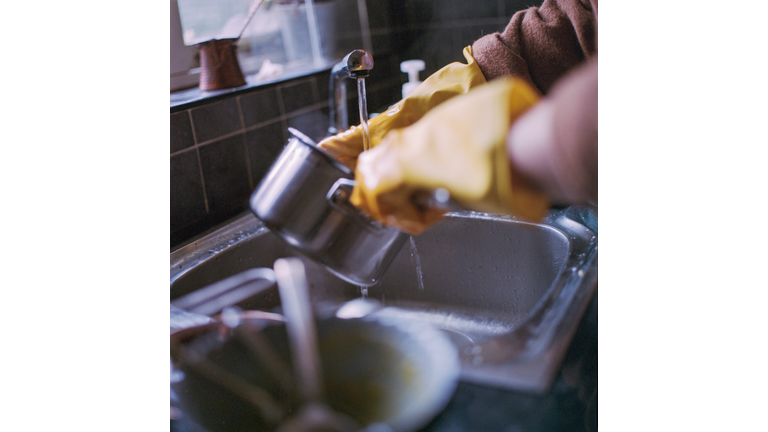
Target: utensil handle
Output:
{"points": [[232, 290], [300, 323], [338, 198], [251, 13]]}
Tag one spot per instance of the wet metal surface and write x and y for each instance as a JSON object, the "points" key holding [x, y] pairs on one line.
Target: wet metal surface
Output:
{"points": [[508, 293]]}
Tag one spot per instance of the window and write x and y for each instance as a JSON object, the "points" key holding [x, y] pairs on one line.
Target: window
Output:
{"points": [[280, 38]]}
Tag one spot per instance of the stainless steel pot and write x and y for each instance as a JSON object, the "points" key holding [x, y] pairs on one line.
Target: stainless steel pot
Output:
{"points": [[304, 198]]}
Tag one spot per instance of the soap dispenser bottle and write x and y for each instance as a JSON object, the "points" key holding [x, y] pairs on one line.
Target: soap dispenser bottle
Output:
{"points": [[412, 68]]}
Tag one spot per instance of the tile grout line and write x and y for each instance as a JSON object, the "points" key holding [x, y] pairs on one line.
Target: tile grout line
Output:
{"points": [[199, 161], [263, 124], [245, 143], [253, 127], [182, 151], [315, 91], [192, 125], [306, 109], [280, 104], [281, 118]]}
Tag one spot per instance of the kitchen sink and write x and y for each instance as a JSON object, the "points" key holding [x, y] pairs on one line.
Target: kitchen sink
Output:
{"points": [[508, 293]]}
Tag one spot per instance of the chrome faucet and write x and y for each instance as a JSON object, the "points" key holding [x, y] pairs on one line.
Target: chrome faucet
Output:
{"points": [[357, 64]]}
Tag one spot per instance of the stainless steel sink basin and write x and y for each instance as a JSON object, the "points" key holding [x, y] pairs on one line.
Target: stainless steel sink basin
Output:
{"points": [[509, 294]]}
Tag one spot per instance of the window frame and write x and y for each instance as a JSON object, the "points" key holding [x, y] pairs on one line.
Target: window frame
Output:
{"points": [[182, 57]]}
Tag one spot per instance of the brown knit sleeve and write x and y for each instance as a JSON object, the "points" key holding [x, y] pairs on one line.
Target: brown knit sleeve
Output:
{"points": [[540, 44]]}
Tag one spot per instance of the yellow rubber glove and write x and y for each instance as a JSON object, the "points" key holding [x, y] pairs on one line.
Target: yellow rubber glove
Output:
{"points": [[450, 81], [460, 146]]}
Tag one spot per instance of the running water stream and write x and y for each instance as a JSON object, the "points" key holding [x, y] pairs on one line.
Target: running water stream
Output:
{"points": [[362, 103], [417, 262]]}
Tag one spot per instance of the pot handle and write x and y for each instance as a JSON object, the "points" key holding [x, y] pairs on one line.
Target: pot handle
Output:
{"points": [[215, 297], [338, 198]]}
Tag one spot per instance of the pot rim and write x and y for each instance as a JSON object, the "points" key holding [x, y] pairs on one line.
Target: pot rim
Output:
{"points": [[217, 41], [313, 145]]}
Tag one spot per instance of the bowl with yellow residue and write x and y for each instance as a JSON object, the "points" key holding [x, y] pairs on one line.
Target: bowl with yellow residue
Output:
{"points": [[394, 374]]}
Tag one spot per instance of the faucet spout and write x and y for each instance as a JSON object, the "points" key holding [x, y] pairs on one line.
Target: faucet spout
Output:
{"points": [[357, 64]]}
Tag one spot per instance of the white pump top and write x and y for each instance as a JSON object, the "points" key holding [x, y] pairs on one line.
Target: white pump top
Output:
{"points": [[412, 68]]}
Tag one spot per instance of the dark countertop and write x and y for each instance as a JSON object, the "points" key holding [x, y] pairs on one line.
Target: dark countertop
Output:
{"points": [[571, 404], [188, 98]]}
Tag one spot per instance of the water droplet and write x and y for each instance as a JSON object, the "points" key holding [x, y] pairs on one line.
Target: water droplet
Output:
{"points": [[417, 262]]}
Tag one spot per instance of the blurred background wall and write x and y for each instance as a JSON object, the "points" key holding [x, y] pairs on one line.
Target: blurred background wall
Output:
{"points": [[221, 146]]}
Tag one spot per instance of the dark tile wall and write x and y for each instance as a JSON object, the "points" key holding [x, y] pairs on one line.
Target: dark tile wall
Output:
{"points": [[435, 31], [220, 150]]}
